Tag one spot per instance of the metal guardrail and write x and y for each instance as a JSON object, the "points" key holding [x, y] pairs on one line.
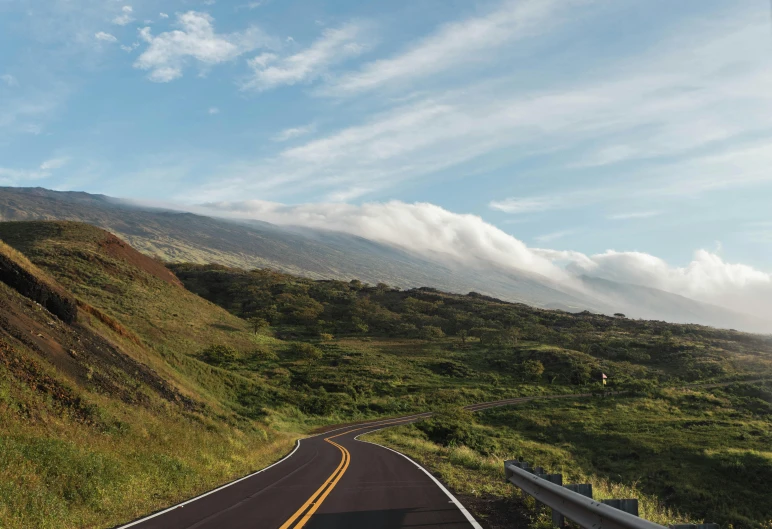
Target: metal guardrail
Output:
{"points": [[575, 505]]}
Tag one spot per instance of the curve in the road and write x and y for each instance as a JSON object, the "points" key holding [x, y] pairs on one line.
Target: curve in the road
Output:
{"points": [[330, 480]]}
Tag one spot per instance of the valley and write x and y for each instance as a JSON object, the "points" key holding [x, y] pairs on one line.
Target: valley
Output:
{"points": [[173, 378]]}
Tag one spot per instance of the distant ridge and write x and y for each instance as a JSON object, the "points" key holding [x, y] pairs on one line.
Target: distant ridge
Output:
{"points": [[321, 254]]}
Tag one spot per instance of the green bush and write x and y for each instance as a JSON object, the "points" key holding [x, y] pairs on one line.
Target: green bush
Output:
{"points": [[306, 351], [430, 332], [456, 426], [219, 354]]}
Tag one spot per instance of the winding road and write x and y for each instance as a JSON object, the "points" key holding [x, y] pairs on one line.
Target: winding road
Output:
{"points": [[331, 480]]}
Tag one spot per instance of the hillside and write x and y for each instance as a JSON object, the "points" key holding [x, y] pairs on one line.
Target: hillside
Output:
{"points": [[123, 390], [184, 237], [99, 422]]}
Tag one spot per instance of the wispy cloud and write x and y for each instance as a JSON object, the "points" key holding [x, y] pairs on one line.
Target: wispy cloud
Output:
{"points": [[168, 53], [126, 16], [9, 176], [527, 205], [333, 47], [573, 121], [295, 132], [106, 37], [9, 80], [213, 110], [455, 45]]}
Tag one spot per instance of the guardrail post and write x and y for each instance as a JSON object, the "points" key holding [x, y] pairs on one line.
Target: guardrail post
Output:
{"points": [[695, 526], [630, 506], [507, 472], [557, 519], [538, 471], [585, 489]]}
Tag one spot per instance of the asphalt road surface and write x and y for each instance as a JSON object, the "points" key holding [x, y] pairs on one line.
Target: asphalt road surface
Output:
{"points": [[331, 480]]}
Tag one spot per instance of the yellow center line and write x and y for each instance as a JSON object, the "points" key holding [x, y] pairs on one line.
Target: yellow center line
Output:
{"points": [[316, 499]]}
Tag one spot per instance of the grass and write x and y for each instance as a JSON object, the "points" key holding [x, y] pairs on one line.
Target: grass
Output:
{"points": [[687, 455], [86, 441]]}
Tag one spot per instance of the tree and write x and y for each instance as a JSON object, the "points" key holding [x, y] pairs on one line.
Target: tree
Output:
{"points": [[462, 334], [619, 315], [532, 369], [258, 323], [430, 332]]}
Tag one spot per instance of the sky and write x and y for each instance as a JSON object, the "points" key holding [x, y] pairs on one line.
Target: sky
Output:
{"points": [[631, 139]]}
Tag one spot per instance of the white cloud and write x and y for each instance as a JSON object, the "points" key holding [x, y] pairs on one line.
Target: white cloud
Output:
{"points": [[420, 227], [168, 53], [457, 44], [706, 278], [125, 17], [430, 230], [213, 110], [15, 177], [295, 132], [107, 37], [700, 146], [129, 49], [334, 46], [54, 163], [527, 205], [9, 80], [163, 15]]}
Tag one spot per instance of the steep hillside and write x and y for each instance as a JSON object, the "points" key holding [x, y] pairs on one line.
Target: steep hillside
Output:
{"points": [[99, 421]]}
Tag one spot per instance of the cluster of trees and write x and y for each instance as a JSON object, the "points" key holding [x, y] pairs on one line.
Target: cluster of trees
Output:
{"points": [[323, 309]]}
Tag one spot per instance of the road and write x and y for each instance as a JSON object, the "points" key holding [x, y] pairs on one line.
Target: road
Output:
{"points": [[331, 480]]}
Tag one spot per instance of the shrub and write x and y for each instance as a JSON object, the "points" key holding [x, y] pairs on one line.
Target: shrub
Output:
{"points": [[219, 354], [532, 369], [430, 332], [305, 350], [456, 426]]}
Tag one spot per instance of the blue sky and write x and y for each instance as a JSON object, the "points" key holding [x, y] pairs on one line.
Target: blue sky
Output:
{"points": [[574, 125]]}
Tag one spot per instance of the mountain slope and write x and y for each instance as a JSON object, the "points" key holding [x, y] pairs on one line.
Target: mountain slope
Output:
{"points": [[99, 422], [184, 237], [318, 254]]}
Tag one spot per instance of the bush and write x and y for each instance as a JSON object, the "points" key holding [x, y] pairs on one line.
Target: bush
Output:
{"points": [[263, 355], [430, 332], [449, 368], [306, 351], [218, 355], [456, 426], [532, 369]]}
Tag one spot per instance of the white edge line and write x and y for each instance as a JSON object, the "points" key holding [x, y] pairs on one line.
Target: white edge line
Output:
{"points": [[461, 508], [297, 445], [374, 422]]}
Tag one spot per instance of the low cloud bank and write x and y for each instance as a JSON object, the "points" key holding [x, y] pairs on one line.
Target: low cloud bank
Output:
{"points": [[432, 231]]}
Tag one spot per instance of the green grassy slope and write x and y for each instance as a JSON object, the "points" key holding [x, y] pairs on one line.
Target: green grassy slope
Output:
{"points": [[96, 427], [156, 393], [687, 455]]}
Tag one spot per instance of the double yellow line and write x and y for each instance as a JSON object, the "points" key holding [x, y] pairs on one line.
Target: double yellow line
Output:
{"points": [[304, 513]]}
